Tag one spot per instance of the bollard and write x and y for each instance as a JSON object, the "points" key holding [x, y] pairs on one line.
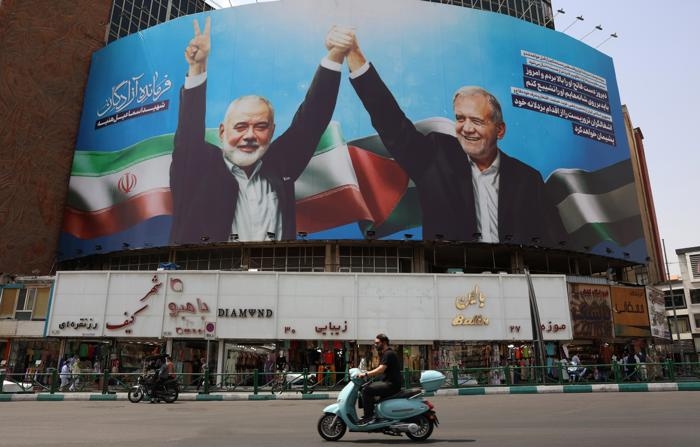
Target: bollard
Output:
{"points": [[206, 380], [255, 381], [506, 371], [455, 377], [561, 372], [2, 381], [671, 370], [105, 381], [406, 378], [54, 381]]}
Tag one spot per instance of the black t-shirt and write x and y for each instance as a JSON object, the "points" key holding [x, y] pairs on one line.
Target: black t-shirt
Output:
{"points": [[392, 373]]}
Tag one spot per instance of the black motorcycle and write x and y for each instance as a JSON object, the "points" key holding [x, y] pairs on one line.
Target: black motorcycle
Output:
{"points": [[147, 387]]}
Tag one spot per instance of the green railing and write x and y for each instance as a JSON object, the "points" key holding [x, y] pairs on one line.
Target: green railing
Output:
{"points": [[258, 382]]}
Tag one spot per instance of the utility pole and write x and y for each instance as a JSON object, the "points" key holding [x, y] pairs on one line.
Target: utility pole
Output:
{"points": [[536, 326], [673, 304]]}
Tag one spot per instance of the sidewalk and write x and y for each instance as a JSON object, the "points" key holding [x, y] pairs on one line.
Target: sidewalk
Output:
{"points": [[467, 391]]}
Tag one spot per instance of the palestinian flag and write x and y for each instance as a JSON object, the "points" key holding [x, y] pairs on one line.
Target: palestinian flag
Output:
{"points": [[598, 206]]}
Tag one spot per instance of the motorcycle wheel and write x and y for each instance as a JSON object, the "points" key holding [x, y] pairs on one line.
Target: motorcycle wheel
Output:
{"points": [[331, 427], [135, 395], [425, 428], [170, 395]]}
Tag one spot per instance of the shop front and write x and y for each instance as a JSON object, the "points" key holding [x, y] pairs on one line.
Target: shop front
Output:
{"points": [[32, 357], [236, 323]]}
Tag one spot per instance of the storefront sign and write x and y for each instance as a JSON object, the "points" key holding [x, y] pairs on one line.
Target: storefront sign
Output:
{"points": [[656, 304], [475, 320], [83, 323], [590, 310], [131, 316], [462, 302], [414, 307], [245, 313], [188, 303], [332, 329], [630, 313], [176, 309], [556, 327]]}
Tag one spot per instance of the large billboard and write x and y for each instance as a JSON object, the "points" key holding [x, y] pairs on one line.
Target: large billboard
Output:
{"points": [[165, 157]]}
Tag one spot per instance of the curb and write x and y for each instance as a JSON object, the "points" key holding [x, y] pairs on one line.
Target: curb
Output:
{"points": [[468, 391]]}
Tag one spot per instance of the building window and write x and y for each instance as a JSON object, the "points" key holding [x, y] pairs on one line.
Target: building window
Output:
{"points": [[683, 324], [694, 296], [8, 300], [694, 265], [135, 261], [288, 259], [41, 303], [31, 303], [678, 299], [376, 259], [697, 320]]}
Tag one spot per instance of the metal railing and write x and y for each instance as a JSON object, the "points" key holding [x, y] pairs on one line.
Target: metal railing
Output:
{"points": [[304, 382]]}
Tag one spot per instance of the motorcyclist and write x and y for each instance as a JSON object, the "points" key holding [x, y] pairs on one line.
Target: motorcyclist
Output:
{"points": [[165, 373], [389, 381]]}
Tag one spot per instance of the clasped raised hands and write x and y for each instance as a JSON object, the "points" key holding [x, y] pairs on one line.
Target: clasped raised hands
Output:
{"points": [[340, 40]]}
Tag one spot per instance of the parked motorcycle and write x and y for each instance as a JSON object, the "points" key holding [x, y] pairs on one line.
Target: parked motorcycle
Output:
{"points": [[146, 387], [576, 372], [406, 412]]}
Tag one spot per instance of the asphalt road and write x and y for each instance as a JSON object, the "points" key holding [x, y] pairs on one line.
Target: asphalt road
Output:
{"points": [[655, 419]]}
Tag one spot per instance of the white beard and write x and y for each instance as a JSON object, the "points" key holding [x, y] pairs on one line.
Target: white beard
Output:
{"points": [[243, 159]]}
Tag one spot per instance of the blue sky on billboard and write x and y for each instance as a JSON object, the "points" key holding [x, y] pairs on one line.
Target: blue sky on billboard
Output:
{"points": [[657, 68]]}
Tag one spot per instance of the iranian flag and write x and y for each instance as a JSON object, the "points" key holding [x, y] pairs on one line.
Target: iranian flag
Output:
{"points": [[112, 191], [345, 182]]}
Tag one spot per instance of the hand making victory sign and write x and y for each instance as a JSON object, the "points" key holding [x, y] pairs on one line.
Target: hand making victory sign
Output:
{"points": [[197, 50]]}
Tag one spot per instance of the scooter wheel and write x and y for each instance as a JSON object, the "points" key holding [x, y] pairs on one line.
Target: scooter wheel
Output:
{"points": [[331, 427], [425, 428], [135, 395]]}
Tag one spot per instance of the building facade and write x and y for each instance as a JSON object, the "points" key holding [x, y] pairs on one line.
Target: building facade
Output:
{"points": [[403, 260], [130, 16], [687, 296]]}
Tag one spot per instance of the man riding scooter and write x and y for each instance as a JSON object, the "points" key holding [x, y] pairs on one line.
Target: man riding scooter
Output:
{"points": [[389, 381]]}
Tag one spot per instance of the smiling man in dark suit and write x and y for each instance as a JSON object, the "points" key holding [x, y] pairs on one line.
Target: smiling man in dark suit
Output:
{"points": [[246, 186], [468, 188]]}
